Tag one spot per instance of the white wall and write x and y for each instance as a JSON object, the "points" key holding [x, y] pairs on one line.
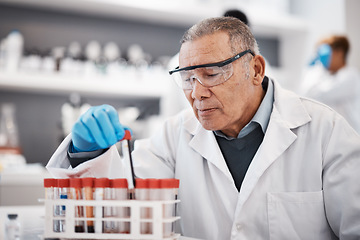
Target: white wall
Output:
{"points": [[324, 17], [352, 20]]}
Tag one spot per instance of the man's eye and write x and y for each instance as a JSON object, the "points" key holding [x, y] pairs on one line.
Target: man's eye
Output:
{"points": [[188, 78], [213, 75]]}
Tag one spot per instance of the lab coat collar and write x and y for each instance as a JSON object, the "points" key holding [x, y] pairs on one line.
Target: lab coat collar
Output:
{"points": [[289, 107], [204, 142]]}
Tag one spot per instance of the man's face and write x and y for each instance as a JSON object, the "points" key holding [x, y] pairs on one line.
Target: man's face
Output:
{"points": [[229, 106], [337, 61]]}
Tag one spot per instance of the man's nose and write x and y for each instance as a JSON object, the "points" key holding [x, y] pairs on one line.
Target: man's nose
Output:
{"points": [[199, 91]]}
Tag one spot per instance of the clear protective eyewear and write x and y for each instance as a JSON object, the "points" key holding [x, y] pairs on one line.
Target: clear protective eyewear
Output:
{"points": [[208, 75]]}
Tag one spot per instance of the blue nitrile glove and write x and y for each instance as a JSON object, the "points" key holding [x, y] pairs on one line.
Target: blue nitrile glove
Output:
{"points": [[98, 128], [323, 55]]}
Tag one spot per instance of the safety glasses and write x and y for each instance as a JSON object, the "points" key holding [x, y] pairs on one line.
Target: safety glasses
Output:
{"points": [[208, 75]]}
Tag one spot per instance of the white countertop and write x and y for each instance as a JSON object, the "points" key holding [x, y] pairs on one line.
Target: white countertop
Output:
{"points": [[31, 219]]}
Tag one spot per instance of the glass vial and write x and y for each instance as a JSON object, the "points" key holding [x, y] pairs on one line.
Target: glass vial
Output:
{"points": [[64, 184], [88, 194], [76, 194], [12, 227], [120, 192], [51, 193], [9, 136]]}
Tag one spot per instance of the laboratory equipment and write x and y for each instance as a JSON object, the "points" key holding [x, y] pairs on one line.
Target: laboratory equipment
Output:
{"points": [[14, 51], [9, 136], [76, 193], [120, 192], [88, 191], [155, 223], [111, 51], [12, 227], [10, 151]]}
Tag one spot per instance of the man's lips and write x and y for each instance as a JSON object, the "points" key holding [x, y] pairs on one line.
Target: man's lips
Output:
{"points": [[206, 111]]}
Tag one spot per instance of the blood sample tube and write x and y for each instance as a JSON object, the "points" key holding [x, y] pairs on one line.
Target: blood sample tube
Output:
{"points": [[51, 193], [49, 185], [154, 188], [120, 192], [154, 194], [142, 193], [75, 193], [88, 194], [102, 192], [168, 191], [63, 185]]}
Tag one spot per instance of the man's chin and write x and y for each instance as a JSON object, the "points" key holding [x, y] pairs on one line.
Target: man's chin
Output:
{"points": [[209, 125]]}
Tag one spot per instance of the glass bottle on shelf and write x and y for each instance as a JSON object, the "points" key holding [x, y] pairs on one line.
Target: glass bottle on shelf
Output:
{"points": [[9, 136]]}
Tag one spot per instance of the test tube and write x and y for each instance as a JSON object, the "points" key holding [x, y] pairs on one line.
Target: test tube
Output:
{"points": [[120, 192], [142, 193], [169, 188], [154, 195], [49, 185], [51, 193], [88, 194], [63, 185], [75, 193], [102, 192]]}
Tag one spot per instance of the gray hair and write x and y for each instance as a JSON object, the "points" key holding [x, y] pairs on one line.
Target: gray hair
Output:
{"points": [[239, 33]]}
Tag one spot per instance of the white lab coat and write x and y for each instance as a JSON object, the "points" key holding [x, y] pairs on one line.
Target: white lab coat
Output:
{"points": [[303, 182], [340, 91]]}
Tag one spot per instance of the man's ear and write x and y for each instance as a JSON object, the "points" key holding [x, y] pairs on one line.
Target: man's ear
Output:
{"points": [[259, 69]]}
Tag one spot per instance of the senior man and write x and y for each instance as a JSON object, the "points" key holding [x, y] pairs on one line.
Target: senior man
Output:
{"points": [[254, 161]]}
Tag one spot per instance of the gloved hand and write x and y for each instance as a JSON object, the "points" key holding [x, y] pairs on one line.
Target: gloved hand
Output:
{"points": [[323, 55], [98, 128]]}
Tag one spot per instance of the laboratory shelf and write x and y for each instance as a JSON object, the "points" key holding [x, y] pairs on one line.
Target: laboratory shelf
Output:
{"points": [[88, 86], [177, 13], [159, 11]]}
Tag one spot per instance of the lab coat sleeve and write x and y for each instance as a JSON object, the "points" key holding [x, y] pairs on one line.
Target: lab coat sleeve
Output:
{"points": [[341, 180], [109, 164], [155, 157], [343, 85], [337, 91]]}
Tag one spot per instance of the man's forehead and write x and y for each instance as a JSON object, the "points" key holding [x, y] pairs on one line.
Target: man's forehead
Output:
{"points": [[207, 49], [214, 39]]}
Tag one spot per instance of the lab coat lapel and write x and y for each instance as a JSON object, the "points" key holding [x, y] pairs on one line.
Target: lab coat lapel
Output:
{"points": [[270, 149], [204, 142], [288, 113]]}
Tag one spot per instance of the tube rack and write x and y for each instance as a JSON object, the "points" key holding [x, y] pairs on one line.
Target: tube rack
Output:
{"points": [[157, 220]]}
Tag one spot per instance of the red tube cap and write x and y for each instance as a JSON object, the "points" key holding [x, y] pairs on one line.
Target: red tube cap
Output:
{"points": [[141, 183], [119, 183], [102, 183], [87, 182], [169, 183], [153, 183], [50, 182], [63, 182], [75, 183]]}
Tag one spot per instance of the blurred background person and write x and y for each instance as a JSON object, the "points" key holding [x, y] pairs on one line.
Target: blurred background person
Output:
{"points": [[238, 14], [329, 79]]}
